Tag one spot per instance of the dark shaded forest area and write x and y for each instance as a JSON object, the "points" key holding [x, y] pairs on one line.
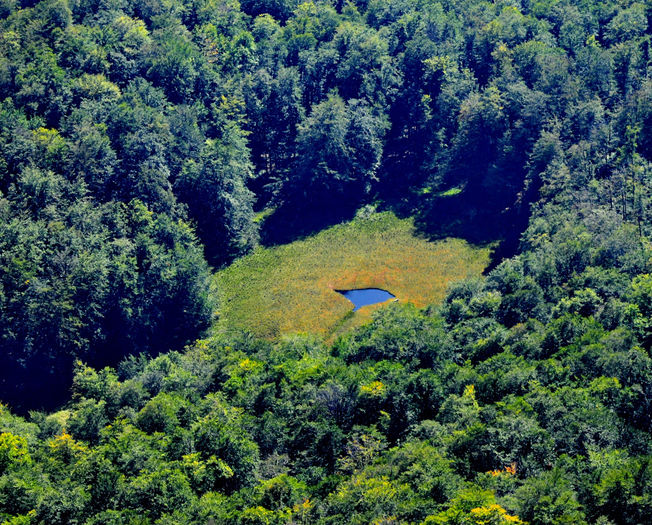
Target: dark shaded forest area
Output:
{"points": [[143, 144]]}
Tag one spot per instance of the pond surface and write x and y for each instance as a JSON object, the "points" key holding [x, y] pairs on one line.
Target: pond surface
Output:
{"points": [[365, 296]]}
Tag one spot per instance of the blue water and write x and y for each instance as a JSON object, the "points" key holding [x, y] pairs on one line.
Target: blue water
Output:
{"points": [[366, 296]]}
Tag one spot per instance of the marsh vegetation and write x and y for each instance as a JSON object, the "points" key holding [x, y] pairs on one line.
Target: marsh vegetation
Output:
{"points": [[290, 288]]}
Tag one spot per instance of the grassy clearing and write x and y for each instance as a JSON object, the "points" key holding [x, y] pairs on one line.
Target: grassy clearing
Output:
{"points": [[450, 192], [290, 288]]}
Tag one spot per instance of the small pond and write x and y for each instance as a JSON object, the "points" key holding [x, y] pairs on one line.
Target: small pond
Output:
{"points": [[365, 296]]}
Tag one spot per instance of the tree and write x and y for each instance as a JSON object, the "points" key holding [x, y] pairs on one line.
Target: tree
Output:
{"points": [[58, 255], [274, 111], [140, 135], [339, 148], [215, 189], [233, 455], [473, 506]]}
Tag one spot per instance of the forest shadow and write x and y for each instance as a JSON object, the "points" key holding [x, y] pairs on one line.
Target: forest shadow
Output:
{"points": [[288, 224], [458, 216], [31, 386], [452, 216]]}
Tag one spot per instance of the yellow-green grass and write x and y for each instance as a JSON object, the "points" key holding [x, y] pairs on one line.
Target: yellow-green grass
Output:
{"points": [[291, 288]]}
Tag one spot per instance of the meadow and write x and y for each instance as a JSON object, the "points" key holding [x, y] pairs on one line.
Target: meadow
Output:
{"points": [[291, 288]]}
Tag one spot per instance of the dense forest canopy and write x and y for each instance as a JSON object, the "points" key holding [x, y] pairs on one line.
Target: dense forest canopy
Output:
{"points": [[144, 143]]}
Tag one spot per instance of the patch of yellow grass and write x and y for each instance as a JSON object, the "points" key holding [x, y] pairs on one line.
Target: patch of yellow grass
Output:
{"points": [[291, 288]]}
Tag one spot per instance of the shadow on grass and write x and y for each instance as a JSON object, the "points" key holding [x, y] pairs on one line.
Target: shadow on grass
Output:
{"points": [[462, 215], [477, 223], [288, 224]]}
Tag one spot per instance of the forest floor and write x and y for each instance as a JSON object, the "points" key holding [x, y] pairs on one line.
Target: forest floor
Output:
{"points": [[291, 288]]}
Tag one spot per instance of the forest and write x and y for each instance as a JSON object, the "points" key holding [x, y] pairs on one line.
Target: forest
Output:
{"points": [[147, 144]]}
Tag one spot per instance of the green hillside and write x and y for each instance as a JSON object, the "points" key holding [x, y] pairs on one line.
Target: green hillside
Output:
{"points": [[184, 185]]}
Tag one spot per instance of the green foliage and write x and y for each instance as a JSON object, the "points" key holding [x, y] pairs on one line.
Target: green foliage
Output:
{"points": [[60, 253], [215, 189], [339, 146], [13, 451], [135, 137]]}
